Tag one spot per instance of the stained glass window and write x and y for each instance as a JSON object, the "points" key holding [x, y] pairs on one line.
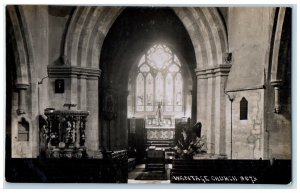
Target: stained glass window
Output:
{"points": [[159, 85], [149, 92], [140, 92], [159, 56], [169, 92], [159, 80], [178, 92]]}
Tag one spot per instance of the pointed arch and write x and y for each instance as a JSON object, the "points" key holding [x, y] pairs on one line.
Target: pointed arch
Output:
{"points": [[22, 45], [89, 26]]}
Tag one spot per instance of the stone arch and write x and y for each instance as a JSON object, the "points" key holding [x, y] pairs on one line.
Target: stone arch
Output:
{"points": [[20, 46], [90, 25], [20, 98], [280, 57], [278, 88], [277, 68], [23, 53]]}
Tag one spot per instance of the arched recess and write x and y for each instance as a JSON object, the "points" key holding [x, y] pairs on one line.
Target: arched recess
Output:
{"points": [[278, 97], [88, 29], [19, 74]]}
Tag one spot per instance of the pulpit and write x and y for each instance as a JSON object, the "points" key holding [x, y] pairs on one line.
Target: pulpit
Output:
{"points": [[65, 134]]}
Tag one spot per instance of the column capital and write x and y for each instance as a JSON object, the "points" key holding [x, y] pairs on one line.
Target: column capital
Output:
{"points": [[213, 71], [276, 83], [22, 86], [73, 71]]}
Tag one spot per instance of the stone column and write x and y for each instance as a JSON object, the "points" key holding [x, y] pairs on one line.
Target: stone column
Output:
{"points": [[277, 88], [201, 104], [92, 130], [211, 103], [82, 90], [21, 98], [220, 115]]}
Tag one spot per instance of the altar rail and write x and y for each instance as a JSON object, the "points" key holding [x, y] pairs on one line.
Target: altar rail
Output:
{"points": [[231, 171]]}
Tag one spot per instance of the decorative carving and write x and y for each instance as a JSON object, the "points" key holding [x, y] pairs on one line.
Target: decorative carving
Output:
{"points": [[66, 132], [65, 60], [227, 57]]}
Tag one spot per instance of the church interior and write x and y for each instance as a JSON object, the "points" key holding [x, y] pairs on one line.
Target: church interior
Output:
{"points": [[112, 94]]}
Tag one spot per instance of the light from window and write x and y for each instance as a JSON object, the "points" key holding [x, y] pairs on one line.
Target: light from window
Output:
{"points": [[140, 92], [149, 92], [159, 80]]}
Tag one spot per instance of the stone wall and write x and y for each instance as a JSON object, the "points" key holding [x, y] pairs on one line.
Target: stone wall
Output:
{"points": [[34, 22], [249, 34], [247, 135]]}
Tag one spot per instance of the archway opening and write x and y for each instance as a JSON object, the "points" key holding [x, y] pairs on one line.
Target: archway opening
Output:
{"points": [[131, 38]]}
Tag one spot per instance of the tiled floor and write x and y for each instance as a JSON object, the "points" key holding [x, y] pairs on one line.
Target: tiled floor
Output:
{"points": [[141, 168]]}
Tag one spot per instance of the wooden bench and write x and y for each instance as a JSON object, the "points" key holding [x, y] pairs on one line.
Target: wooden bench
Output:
{"points": [[131, 164]]}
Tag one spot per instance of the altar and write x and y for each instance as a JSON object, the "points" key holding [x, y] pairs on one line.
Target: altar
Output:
{"points": [[161, 134]]}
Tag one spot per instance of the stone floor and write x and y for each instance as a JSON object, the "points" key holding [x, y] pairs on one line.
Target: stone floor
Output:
{"points": [[141, 168]]}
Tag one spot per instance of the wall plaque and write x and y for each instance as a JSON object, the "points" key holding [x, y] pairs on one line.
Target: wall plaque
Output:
{"points": [[59, 86]]}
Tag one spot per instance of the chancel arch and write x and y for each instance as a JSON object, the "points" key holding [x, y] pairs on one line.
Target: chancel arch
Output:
{"points": [[89, 28]]}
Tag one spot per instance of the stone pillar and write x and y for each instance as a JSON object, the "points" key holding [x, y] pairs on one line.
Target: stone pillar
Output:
{"points": [[82, 89], [21, 98], [209, 114], [277, 88], [92, 131], [188, 104], [201, 104], [73, 92], [211, 103], [220, 115]]}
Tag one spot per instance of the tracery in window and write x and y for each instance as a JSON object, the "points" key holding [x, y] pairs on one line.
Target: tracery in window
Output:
{"points": [[169, 92], [159, 81], [178, 90], [159, 85], [159, 56], [149, 92], [140, 92]]}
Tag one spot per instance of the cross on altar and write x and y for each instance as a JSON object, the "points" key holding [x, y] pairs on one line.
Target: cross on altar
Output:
{"points": [[69, 105]]}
